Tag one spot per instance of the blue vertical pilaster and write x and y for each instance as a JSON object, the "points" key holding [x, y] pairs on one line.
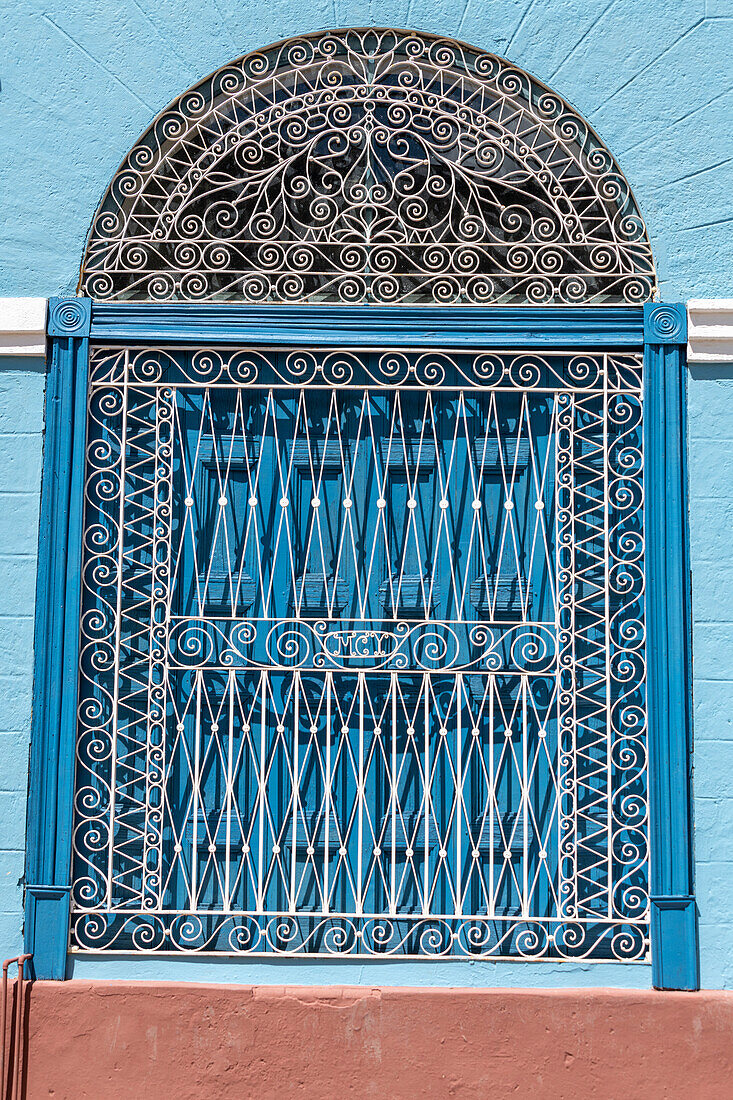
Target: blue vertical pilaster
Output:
{"points": [[58, 593], [673, 911]]}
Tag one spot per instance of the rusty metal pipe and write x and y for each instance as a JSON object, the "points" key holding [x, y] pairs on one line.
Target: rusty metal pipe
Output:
{"points": [[10, 1065]]}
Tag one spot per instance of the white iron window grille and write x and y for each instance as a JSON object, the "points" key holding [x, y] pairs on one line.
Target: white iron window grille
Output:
{"points": [[362, 655], [370, 166]]}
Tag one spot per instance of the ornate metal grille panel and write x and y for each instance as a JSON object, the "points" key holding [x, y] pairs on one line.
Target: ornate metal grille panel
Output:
{"points": [[370, 166], [362, 655]]}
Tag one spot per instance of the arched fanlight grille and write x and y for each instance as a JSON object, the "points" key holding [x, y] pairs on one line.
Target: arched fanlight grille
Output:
{"points": [[369, 166]]}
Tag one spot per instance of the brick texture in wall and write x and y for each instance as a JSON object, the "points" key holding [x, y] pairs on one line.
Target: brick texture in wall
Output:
{"points": [[21, 441]]}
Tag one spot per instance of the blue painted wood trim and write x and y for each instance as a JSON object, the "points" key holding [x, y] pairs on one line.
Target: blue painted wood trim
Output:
{"points": [[71, 321], [674, 943], [360, 326], [58, 593], [673, 912]]}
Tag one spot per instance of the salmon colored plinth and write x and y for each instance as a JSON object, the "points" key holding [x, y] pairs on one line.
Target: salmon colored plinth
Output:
{"points": [[144, 1041]]}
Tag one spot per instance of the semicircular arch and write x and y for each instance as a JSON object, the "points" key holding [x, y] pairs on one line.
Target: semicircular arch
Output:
{"points": [[369, 166]]}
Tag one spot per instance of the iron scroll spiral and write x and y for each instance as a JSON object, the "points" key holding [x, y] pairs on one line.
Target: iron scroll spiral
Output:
{"points": [[369, 166]]}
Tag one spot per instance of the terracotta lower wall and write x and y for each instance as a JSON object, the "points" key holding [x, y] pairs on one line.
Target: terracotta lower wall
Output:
{"points": [[119, 1041]]}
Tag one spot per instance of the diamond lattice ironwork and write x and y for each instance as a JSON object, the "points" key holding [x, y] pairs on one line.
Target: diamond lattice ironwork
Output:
{"points": [[363, 655]]}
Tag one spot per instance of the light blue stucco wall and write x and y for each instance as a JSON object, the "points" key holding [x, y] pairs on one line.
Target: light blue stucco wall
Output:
{"points": [[81, 79], [710, 429], [21, 427]]}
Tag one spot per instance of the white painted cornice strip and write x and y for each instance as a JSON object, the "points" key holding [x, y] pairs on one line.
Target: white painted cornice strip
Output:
{"points": [[710, 330], [22, 326]]}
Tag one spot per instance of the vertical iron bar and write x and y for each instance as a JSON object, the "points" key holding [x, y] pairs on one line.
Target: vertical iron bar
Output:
{"points": [[525, 800], [264, 679], [327, 800], [393, 750], [426, 794], [228, 801], [493, 805], [196, 794], [458, 798], [295, 761], [360, 801]]}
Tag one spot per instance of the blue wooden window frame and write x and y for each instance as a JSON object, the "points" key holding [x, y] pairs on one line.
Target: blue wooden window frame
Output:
{"points": [[660, 328]]}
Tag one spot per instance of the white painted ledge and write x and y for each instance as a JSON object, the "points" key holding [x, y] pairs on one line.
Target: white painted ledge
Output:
{"points": [[710, 330], [23, 326]]}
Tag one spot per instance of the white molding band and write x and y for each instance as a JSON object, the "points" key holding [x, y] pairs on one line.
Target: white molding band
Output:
{"points": [[710, 330], [23, 326]]}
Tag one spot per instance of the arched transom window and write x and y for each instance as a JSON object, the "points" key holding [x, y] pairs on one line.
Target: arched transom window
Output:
{"points": [[361, 591], [364, 166]]}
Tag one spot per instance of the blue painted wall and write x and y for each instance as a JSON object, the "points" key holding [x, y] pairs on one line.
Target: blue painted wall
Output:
{"points": [[710, 410], [81, 79], [21, 439]]}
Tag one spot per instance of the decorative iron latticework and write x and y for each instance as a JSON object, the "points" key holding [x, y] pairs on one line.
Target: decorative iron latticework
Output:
{"points": [[362, 658], [370, 166]]}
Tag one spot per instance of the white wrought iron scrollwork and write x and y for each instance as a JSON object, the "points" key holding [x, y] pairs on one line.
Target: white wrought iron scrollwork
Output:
{"points": [[285, 748], [325, 644], [369, 166]]}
